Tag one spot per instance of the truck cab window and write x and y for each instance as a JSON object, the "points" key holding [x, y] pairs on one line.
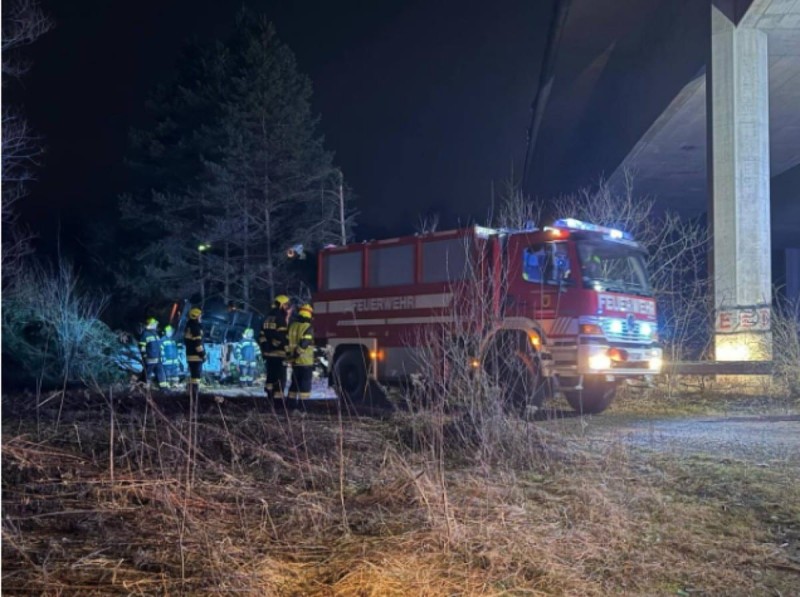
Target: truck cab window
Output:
{"points": [[546, 264], [613, 267]]}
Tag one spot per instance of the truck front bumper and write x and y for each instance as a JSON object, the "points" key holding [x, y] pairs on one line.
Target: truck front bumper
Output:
{"points": [[600, 359]]}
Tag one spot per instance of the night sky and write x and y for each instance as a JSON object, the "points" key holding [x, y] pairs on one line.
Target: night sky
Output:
{"points": [[425, 104]]}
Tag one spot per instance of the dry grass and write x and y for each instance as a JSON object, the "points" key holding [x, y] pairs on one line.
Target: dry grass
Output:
{"points": [[309, 504], [702, 395]]}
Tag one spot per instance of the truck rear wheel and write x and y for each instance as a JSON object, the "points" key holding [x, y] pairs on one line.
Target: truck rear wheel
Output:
{"points": [[350, 376], [596, 396]]}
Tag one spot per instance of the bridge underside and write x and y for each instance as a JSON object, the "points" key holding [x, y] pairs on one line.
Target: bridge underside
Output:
{"points": [[670, 160], [700, 100]]}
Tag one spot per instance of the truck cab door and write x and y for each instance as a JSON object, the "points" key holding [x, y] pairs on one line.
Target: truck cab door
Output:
{"points": [[538, 274]]}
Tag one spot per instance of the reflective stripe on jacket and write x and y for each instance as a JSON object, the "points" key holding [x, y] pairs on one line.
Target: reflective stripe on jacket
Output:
{"points": [[150, 346], [273, 336]]}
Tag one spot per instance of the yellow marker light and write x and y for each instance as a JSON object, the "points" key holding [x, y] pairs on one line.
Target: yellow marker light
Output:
{"points": [[475, 363], [617, 354], [591, 329], [536, 341]]}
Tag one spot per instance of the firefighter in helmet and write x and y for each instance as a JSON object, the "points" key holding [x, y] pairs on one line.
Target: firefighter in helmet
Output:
{"points": [[245, 353], [273, 341], [300, 352], [195, 352], [150, 347], [169, 356]]}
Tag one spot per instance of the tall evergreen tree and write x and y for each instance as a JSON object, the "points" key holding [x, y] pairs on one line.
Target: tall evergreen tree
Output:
{"points": [[234, 162], [164, 212]]}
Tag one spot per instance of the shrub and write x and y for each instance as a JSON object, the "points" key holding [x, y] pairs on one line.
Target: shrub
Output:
{"points": [[786, 344], [52, 333]]}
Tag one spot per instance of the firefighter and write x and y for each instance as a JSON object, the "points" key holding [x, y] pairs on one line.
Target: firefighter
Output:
{"points": [[273, 341], [245, 354], [300, 352], [150, 347], [169, 356], [593, 267], [195, 352]]}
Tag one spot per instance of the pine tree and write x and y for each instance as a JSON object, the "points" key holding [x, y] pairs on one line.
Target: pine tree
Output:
{"points": [[164, 213], [235, 162], [273, 158]]}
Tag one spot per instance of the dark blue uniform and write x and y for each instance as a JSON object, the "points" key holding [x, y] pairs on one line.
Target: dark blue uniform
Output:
{"points": [[150, 346]]}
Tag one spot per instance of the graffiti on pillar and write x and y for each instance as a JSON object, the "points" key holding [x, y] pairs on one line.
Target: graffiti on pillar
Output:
{"points": [[743, 319]]}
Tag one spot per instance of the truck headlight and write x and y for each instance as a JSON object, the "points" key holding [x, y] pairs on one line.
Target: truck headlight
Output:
{"points": [[599, 361], [656, 363]]}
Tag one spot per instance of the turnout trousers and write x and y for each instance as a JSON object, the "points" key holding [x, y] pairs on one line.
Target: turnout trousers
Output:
{"points": [[301, 382], [156, 371], [247, 372], [195, 375], [172, 372], [276, 377]]}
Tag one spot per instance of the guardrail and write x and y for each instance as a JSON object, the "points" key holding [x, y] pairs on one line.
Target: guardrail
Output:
{"points": [[719, 368]]}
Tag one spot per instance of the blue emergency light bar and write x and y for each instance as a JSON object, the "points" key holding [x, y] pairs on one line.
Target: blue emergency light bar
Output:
{"points": [[573, 224]]}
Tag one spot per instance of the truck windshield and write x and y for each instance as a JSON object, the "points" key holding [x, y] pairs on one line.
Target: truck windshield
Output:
{"points": [[613, 267]]}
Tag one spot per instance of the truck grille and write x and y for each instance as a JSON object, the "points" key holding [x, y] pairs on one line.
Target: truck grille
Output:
{"points": [[630, 365], [619, 330]]}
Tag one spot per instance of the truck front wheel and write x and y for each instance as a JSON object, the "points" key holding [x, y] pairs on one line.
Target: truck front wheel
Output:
{"points": [[515, 369], [596, 396]]}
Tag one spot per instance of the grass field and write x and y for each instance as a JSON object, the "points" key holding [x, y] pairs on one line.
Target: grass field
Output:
{"points": [[255, 502]]}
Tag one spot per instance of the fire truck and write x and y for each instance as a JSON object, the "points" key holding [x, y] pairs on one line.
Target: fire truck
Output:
{"points": [[570, 304]]}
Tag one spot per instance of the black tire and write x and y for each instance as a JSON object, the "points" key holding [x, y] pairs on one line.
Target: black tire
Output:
{"points": [[515, 368], [596, 396], [350, 378]]}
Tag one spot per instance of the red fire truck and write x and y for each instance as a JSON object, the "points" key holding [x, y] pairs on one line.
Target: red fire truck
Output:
{"points": [[570, 302]]}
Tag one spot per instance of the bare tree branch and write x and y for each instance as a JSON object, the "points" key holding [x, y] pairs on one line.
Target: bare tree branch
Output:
{"points": [[23, 23]]}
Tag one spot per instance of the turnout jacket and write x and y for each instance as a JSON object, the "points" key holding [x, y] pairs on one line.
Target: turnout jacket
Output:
{"points": [[150, 345], [273, 338], [193, 339], [169, 351], [301, 343], [245, 352]]}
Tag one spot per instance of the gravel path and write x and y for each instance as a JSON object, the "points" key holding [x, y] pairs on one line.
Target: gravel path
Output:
{"points": [[757, 439]]}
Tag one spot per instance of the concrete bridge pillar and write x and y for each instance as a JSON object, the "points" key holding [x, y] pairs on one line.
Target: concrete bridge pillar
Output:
{"points": [[738, 104]]}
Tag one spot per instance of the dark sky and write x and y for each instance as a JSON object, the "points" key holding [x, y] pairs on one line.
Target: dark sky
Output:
{"points": [[424, 103]]}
